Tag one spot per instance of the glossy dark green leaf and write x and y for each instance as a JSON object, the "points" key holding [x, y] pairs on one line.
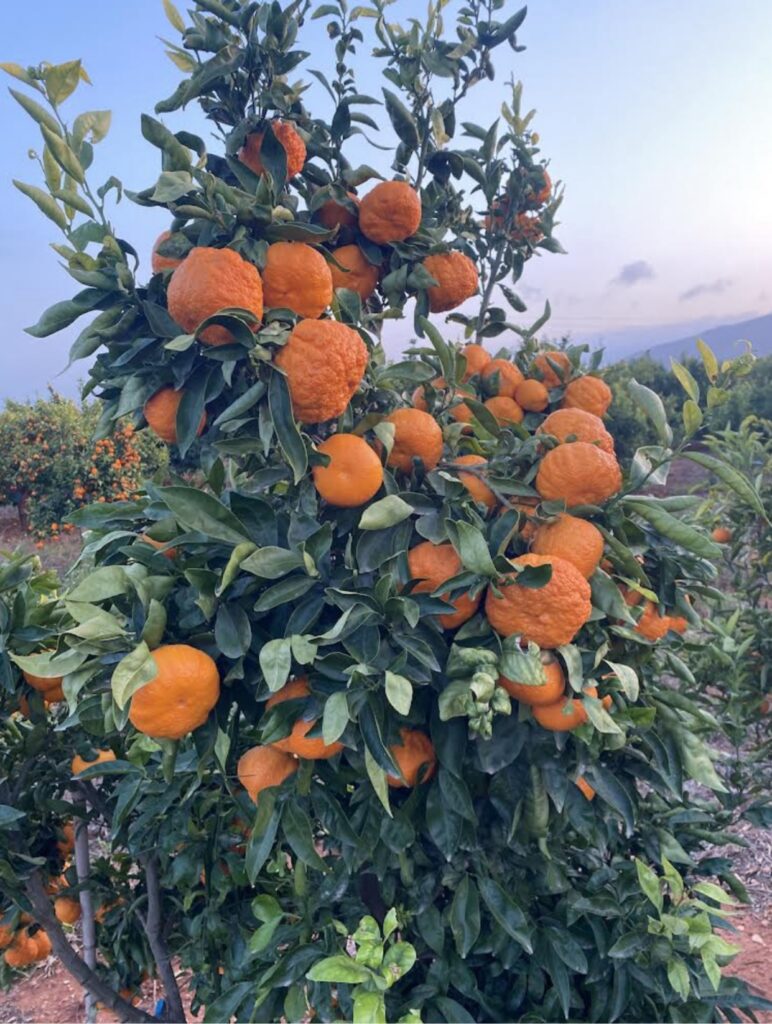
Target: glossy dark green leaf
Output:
{"points": [[197, 510], [287, 433], [464, 916]]}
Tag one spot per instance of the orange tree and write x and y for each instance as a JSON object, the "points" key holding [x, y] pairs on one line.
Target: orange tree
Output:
{"points": [[377, 721], [50, 463]]}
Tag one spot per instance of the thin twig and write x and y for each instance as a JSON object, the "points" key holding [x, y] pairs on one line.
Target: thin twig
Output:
{"points": [[152, 922]]}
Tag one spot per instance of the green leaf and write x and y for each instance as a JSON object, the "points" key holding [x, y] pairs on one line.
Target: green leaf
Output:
{"points": [[686, 380], [339, 970], [369, 1007], [287, 433], [465, 916], [506, 912], [35, 111], [692, 416], [627, 676], [44, 202], [402, 121], [63, 155], [298, 832], [649, 883], [9, 815], [270, 563], [384, 513], [62, 314], [131, 673], [335, 717], [399, 692], [276, 662], [199, 511], [175, 18], [17, 71], [709, 360], [472, 548], [155, 624], [105, 582], [651, 404], [732, 477], [678, 976], [172, 185], [377, 777], [93, 124], [686, 536], [521, 666], [599, 717], [62, 80], [714, 892]]}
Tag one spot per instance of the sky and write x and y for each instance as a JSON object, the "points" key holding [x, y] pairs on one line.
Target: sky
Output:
{"points": [[655, 115]]}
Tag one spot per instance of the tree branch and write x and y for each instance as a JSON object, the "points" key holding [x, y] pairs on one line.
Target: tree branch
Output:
{"points": [[153, 925], [72, 963]]}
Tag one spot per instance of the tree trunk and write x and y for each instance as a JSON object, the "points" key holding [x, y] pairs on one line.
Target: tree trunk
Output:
{"points": [[82, 866]]}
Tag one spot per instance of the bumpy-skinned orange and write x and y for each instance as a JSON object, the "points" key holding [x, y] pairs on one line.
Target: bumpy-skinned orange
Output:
{"points": [[578, 425], [415, 758], [288, 138], [589, 393], [579, 474], [416, 435], [160, 411], [297, 277], [360, 275], [390, 212], [209, 280], [574, 539], [456, 277], [434, 564]]}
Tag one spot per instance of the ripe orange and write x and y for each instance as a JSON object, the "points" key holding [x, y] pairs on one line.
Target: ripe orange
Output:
{"points": [[297, 277], [21, 951], [324, 362], [415, 759], [416, 435], [290, 141], [477, 359], [504, 410], [579, 425], [456, 277], [563, 716], [333, 214], [159, 262], [479, 490], [722, 535], [67, 910], [6, 936], [54, 695], [360, 275], [180, 697], [433, 564], [576, 540], [170, 553], [551, 615], [391, 212], [653, 624], [532, 395], [542, 364], [160, 411], [540, 195], [207, 281], [585, 788], [353, 474], [589, 393], [66, 844], [579, 474], [502, 375], [79, 764], [42, 684], [461, 411], [262, 767], [298, 742], [548, 692]]}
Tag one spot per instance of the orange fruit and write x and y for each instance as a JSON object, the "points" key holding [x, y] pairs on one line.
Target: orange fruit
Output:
{"points": [[477, 359], [432, 565], [298, 742], [549, 377], [262, 767], [54, 695], [66, 844], [361, 275], [352, 476], [548, 692], [456, 277], [160, 411], [170, 553], [180, 697], [589, 393], [574, 539], [585, 788], [578, 425], [541, 194], [416, 435], [39, 945], [391, 212], [532, 395], [563, 716], [722, 535], [41, 683], [207, 281], [504, 410], [159, 262], [479, 490], [287, 137], [461, 412], [297, 277], [6, 936], [652, 625], [503, 375], [67, 910], [333, 214], [579, 474], [415, 758], [551, 615], [324, 362], [21, 952], [79, 764]]}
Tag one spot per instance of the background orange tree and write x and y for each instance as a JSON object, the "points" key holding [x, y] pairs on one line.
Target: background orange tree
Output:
{"points": [[313, 785]]}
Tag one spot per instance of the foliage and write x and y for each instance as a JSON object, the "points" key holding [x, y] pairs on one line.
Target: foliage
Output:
{"points": [[513, 896], [50, 463]]}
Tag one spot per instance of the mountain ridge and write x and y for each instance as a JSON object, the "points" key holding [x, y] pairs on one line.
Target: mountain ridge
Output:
{"points": [[725, 340]]}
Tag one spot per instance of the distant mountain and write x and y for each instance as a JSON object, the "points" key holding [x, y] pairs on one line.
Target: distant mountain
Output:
{"points": [[723, 340]]}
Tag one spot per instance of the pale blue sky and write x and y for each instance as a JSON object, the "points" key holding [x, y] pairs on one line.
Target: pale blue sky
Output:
{"points": [[655, 113]]}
